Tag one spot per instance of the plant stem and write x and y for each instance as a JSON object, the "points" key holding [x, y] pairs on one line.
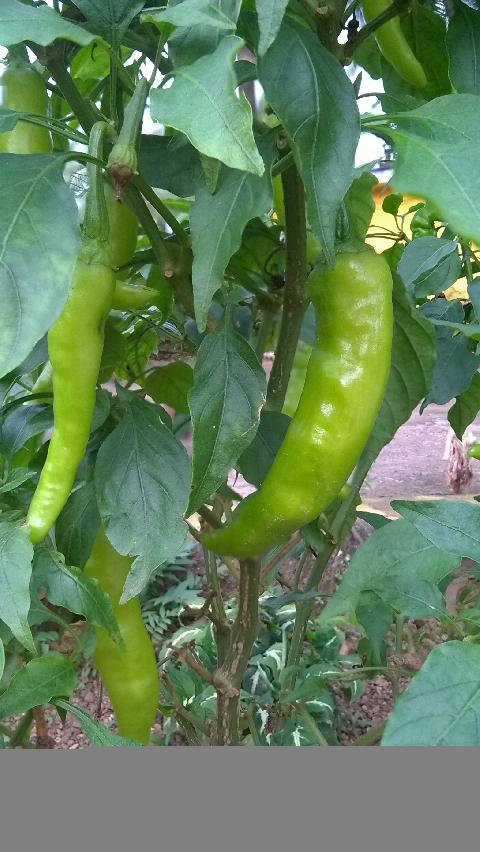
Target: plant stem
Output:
{"points": [[263, 332], [219, 617], [295, 297], [242, 636], [137, 204], [282, 164], [85, 113], [399, 622], [161, 208]]}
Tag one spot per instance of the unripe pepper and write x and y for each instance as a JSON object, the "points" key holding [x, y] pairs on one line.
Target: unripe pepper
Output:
{"points": [[344, 387], [130, 672], [23, 90], [75, 344], [394, 46], [123, 228]]}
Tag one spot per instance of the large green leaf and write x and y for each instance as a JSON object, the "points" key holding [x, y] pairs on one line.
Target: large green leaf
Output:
{"points": [[456, 363], [191, 13], [39, 240], [195, 40], [441, 706], [16, 554], [429, 266], [466, 407], [142, 477], [270, 16], [452, 525], [37, 683], [413, 359], [463, 43], [257, 459], [77, 526], [170, 163], [20, 423], [171, 384], [22, 22], [396, 561], [435, 146], [72, 589], [98, 734], [316, 105], [217, 222], [225, 402], [202, 104], [110, 19]]}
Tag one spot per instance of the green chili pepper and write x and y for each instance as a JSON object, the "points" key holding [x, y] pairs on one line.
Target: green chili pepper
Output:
{"points": [[344, 387], [23, 90], [75, 344], [130, 672], [394, 45], [123, 228]]}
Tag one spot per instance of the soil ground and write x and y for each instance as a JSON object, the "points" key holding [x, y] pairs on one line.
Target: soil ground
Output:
{"points": [[413, 466]]}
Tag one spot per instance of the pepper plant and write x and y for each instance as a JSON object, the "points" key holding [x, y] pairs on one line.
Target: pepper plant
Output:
{"points": [[184, 195]]}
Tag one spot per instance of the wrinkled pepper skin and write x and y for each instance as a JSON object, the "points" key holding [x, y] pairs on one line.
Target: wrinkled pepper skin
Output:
{"points": [[394, 46], [129, 673], [75, 344], [23, 90], [344, 387]]}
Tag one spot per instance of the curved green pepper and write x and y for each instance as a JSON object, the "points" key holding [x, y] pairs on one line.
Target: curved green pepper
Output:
{"points": [[394, 46], [344, 387], [129, 673]]}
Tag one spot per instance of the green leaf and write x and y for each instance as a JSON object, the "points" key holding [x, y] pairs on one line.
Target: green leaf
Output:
{"points": [[375, 616], [77, 526], [142, 477], [270, 16], [360, 204], [441, 706], [110, 19], [466, 407], [170, 163], [37, 210], [16, 554], [2, 659], [323, 130], [225, 403], [191, 42], [375, 519], [190, 13], [393, 556], [414, 598], [434, 144], [203, 105], [99, 735], [413, 359], [456, 363], [257, 459], [463, 43], [429, 266], [37, 683], [171, 385], [73, 590], [217, 223], [19, 423], [452, 525], [19, 22], [16, 477]]}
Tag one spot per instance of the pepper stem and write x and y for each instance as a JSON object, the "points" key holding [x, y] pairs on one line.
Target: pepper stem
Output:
{"points": [[95, 224]]}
